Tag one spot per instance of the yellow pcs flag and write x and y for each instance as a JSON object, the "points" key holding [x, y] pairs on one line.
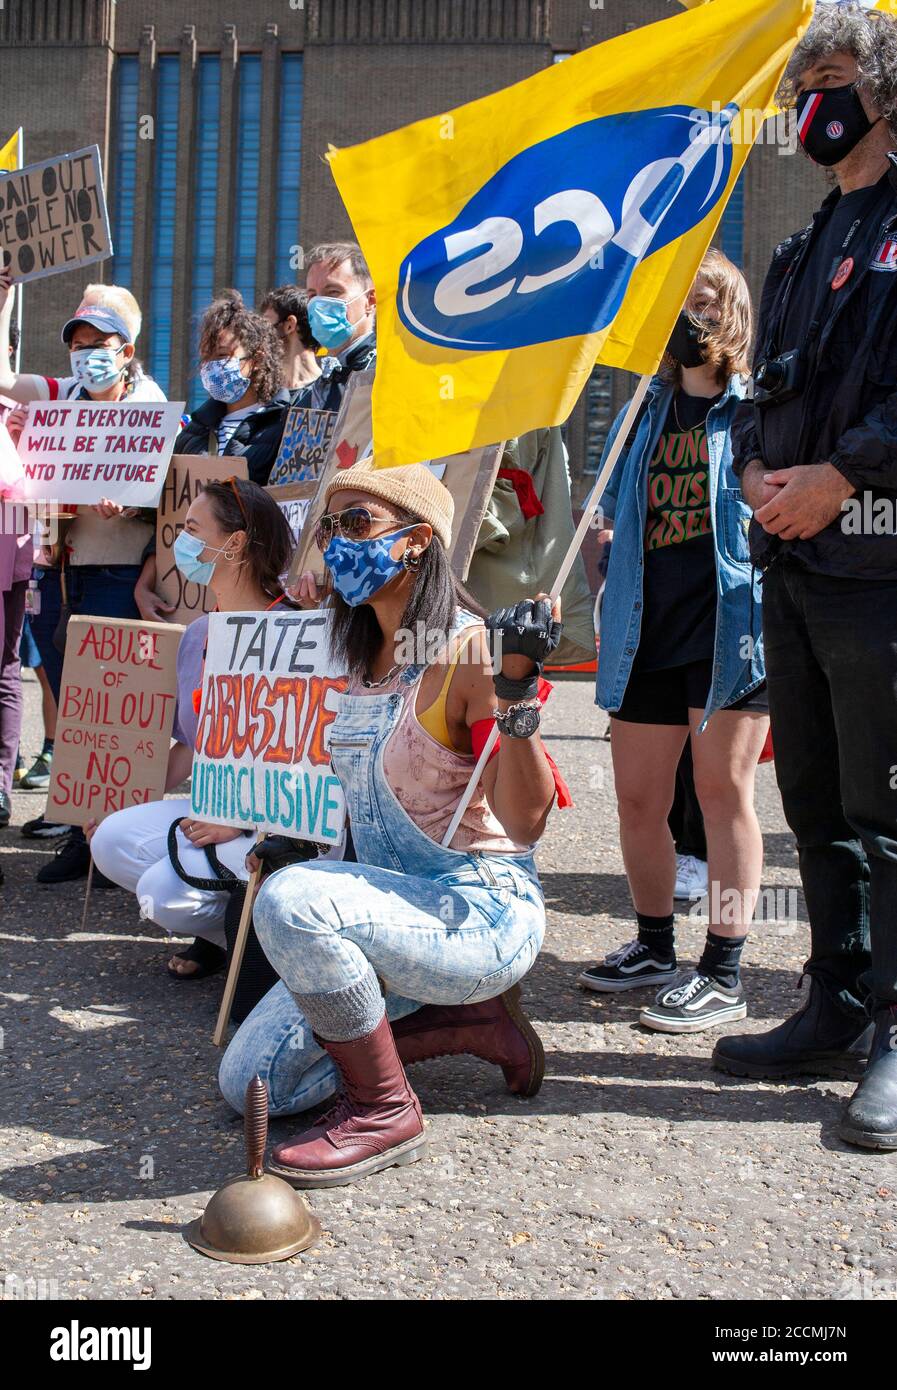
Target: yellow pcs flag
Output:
{"points": [[516, 240], [9, 153]]}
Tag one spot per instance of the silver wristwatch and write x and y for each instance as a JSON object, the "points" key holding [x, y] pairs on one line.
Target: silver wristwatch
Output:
{"points": [[520, 721]]}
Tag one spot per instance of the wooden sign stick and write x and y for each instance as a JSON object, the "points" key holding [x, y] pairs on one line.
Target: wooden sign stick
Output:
{"points": [[236, 961], [87, 895]]}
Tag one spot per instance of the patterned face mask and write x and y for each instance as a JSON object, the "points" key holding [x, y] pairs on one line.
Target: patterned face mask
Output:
{"points": [[224, 380], [361, 568]]}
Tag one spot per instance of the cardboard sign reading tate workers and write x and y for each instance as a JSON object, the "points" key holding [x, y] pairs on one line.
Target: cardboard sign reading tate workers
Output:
{"points": [[116, 708], [262, 759], [187, 475], [85, 452], [469, 477], [53, 215], [304, 445]]}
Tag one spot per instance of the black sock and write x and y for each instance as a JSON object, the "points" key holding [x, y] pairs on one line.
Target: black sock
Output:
{"points": [[722, 959], [48, 745], [658, 935]]}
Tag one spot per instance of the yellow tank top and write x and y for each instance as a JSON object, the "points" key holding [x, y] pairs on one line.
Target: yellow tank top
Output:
{"points": [[433, 719]]}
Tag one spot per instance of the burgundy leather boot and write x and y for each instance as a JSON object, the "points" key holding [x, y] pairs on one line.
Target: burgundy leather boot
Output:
{"points": [[375, 1123], [496, 1031]]}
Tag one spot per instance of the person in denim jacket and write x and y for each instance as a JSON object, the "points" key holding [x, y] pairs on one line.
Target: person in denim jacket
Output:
{"points": [[681, 657]]}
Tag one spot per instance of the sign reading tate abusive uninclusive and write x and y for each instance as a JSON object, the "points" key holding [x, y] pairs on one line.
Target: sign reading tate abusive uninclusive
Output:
{"points": [[261, 760], [116, 708]]}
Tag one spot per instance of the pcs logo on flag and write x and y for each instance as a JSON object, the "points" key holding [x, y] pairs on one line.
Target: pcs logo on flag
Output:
{"points": [[530, 259]]}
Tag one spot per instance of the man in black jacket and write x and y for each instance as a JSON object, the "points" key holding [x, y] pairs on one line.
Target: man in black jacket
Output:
{"points": [[817, 455]]}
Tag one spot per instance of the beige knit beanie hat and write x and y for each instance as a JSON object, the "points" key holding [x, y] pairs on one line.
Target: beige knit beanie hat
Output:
{"points": [[413, 487]]}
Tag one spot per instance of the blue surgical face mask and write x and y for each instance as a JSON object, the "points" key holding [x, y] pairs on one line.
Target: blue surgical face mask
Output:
{"points": [[224, 380], [187, 550], [361, 568], [328, 320], [96, 368]]}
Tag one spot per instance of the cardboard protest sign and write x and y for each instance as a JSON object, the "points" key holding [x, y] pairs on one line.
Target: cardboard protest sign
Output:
{"points": [[187, 474], [53, 215], [469, 478], [116, 708], [294, 500], [262, 760], [83, 452], [304, 445]]}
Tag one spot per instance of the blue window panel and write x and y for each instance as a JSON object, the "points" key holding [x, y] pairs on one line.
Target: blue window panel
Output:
{"points": [[168, 80], [205, 204], [289, 159], [125, 170], [249, 127], [731, 227]]}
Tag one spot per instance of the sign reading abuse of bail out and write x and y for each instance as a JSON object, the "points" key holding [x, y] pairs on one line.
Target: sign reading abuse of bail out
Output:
{"points": [[116, 708], [84, 452], [53, 215], [261, 760]]}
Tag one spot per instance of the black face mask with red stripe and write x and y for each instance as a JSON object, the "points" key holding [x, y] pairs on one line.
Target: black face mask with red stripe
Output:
{"points": [[831, 122]]}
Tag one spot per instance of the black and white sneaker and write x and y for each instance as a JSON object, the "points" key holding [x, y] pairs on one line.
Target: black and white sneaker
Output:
{"points": [[632, 967], [695, 1003], [42, 829]]}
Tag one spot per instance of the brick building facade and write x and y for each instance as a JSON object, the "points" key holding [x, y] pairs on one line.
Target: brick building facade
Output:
{"points": [[212, 119]]}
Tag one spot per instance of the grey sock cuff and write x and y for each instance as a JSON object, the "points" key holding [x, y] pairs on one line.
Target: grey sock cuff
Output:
{"points": [[344, 1014]]}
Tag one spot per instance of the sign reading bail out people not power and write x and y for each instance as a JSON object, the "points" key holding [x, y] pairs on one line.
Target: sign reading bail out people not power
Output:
{"points": [[53, 216], [262, 759]]}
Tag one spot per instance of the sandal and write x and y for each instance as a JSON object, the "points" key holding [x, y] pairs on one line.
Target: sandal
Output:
{"points": [[208, 957]]}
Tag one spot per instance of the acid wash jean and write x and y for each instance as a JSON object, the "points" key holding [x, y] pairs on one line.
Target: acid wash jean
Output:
{"points": [[437, 926]]}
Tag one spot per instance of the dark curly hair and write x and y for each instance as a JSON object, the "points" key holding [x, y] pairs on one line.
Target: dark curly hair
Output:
{"points": [[228, 314], [243, 506], [869, 36]]}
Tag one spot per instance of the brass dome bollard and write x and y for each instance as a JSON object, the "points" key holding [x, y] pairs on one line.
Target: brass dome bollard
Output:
{"points": [[256, 1218]]}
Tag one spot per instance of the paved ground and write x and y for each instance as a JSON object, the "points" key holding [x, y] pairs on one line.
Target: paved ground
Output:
{"points": [[637, 1172]]}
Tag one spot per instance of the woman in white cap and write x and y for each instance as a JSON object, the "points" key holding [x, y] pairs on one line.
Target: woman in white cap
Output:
{"points": [[434, 925], [97, 566]]}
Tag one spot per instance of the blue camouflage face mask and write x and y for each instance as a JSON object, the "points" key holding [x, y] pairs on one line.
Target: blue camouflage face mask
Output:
{"points": [[361, 568]]}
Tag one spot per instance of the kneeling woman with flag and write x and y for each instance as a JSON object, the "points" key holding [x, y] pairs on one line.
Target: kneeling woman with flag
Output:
{"points": [[412, 919]]}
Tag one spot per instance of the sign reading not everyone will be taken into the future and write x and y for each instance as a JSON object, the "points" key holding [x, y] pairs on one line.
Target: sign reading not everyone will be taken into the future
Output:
{"points": [[261, 760], [84, 452]]}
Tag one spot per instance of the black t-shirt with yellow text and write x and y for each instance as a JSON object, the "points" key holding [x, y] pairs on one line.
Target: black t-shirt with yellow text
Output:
{"points": [[679, 616]]}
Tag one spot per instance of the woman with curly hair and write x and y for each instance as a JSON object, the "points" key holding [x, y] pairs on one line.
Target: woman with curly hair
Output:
{"points": [[241, 370]]}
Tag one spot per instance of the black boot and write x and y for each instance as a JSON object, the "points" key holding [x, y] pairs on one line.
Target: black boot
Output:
{"points": [[871, 1117], [820, 1040]]}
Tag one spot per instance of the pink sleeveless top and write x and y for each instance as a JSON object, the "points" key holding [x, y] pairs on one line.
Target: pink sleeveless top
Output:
{"points": [[428, 780]]}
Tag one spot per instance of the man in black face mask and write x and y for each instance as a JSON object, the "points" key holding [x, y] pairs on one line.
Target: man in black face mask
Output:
{"points": [[817, 455]]}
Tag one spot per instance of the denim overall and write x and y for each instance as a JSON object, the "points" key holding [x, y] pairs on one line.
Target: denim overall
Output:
{"points": [[438, 926]]}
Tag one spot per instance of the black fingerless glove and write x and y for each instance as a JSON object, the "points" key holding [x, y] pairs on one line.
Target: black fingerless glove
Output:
{"points": [[529, 630], [279, 852]]}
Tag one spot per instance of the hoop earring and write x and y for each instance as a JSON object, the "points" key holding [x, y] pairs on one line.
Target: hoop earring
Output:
{"points": [[411, 561], [229, 554]]}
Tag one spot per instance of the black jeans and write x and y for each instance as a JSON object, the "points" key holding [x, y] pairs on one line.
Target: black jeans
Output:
{"points": [[831, 661]]}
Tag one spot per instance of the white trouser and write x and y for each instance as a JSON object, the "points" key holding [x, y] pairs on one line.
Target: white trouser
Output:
{"points": [[131, 848]]}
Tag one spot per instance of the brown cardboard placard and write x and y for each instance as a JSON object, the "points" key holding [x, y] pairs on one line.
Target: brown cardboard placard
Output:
{"points": [[304, 445], [469, 478], [294, 500], [187, 474], [116, 708], [53, 215]]}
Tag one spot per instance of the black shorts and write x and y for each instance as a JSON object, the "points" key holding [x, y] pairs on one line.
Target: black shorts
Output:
{"points": [[665, 697]]}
